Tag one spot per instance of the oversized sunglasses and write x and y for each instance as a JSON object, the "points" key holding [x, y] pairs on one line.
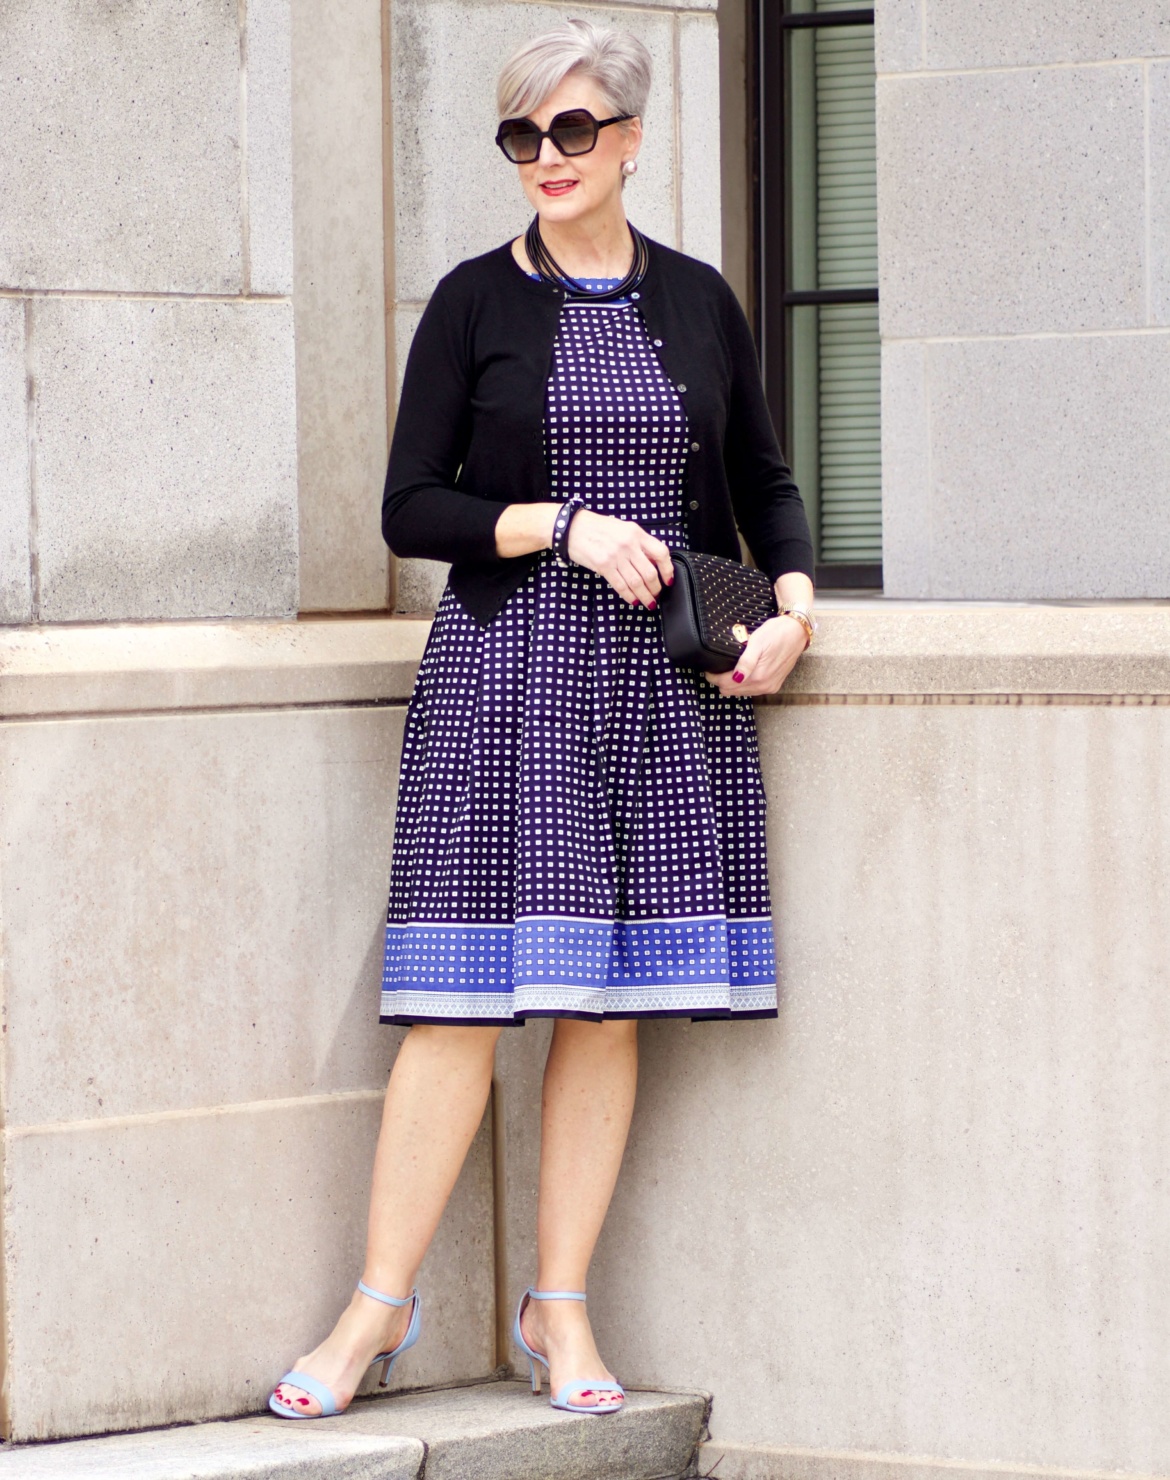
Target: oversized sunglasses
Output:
{"points": [[574, 132]]}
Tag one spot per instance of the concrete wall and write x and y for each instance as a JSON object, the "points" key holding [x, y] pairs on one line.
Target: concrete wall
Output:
{"points": [[147, 399], [1024, 222], [444, 58], [194, 851], [925, 1212], [921, 1214]]}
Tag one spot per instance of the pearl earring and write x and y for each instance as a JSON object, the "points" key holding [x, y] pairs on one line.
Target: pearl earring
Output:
{"points": [[630, 167]]}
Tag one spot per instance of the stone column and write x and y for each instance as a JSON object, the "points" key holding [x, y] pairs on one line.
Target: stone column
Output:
{"points": [[342, 201], [1024, 223]]}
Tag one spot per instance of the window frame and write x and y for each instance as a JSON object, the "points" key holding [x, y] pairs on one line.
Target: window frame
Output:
{"points": [[774, 294]]}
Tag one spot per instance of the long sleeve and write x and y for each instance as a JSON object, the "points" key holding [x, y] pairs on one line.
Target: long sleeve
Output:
{"points": [[767, 503], [423, 512]]}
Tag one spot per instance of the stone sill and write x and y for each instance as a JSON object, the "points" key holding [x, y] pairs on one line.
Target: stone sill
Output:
{"points": [[871, 649], [165, 666], [867, 651]]}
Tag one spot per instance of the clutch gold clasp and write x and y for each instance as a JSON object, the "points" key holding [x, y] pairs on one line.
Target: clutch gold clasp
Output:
{"points": [[739, 632]]}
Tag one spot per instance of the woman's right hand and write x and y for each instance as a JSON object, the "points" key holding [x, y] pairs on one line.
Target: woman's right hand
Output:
{"points": [[636, 564]]}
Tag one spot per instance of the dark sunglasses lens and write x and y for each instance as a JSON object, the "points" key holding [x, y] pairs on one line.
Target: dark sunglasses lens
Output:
{"points": [[574, 133], [520, 142]]}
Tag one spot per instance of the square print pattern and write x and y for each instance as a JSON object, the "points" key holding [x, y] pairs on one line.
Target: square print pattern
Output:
{"points": [[580, 824]]}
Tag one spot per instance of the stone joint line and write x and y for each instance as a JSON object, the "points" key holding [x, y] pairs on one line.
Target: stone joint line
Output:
{"points": [[197, 1112], [169, 711], [245, 213], [30, 391], [1131, 332], [623, 7], [1128, 701], [1016, 67], [127, 296], [831, 1464]]}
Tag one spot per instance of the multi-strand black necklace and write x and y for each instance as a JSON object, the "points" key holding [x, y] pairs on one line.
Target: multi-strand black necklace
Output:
{"points": [[547, 266]]}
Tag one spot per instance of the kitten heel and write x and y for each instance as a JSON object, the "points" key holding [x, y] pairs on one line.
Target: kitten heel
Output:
{"points": [[318, 1390], [571, 1389]]}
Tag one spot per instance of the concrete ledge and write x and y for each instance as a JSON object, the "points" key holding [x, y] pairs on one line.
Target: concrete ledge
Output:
{"points": [[867, 651], [874, 649], [492, 1431], [765, 1462], [46, 671]]}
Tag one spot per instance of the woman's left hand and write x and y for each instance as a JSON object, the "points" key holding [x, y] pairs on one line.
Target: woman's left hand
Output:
{"points": [[766, 661]]}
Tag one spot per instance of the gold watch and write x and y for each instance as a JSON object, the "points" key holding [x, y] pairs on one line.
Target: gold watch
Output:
{"points": [[804, 617]]}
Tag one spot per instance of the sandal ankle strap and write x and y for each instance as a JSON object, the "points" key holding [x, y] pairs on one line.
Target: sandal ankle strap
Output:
{"points": [[389, 1299], [555, 1294]]}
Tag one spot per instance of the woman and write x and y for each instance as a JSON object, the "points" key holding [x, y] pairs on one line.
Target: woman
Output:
{"points": [[580, 829]]}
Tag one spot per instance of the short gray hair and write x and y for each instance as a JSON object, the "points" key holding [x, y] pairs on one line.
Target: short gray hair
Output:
{"points": [[614, 61]]}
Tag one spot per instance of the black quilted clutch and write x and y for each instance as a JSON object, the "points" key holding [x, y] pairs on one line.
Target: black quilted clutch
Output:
{"points": [[712, 607]]}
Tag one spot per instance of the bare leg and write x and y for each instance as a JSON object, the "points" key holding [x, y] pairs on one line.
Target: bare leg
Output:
{"points": [[589, 1085], [434, 1104]]}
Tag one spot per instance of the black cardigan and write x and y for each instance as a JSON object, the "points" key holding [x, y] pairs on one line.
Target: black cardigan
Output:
{"points": [[469, 437]]}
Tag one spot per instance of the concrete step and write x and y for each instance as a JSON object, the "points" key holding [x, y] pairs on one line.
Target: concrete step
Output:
{"points": [[493, 1431]]}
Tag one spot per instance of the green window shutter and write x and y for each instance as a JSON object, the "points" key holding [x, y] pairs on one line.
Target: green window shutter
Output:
{"points": [[849, 360]]}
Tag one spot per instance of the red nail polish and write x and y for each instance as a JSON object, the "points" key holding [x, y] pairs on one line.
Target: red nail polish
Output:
{"points": [[651, 606], [737, 676], [636, 602], [670, 580]]}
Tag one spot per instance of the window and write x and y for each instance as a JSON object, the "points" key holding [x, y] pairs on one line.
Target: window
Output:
{"points": [[818, 271]]}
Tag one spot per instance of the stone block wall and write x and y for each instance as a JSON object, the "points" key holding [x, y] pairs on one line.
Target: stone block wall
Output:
{"points": [[1024, 222], [919, 1225], [147, 396], [922, 1214], [195, 825], [456, 196]]}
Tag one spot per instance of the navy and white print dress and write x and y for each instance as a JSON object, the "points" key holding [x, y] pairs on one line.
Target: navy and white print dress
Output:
{"points": [[580, 828]]}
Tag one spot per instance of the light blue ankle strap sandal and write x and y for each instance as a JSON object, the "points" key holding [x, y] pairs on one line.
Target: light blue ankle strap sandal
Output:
{"points": [[319, 1391], [570, 1389]]}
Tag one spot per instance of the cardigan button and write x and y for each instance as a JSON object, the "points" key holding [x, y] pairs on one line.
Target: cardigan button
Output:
{"points": [[682, 390], [635, 296], [694, 504], [694, 447], [658, 344]]}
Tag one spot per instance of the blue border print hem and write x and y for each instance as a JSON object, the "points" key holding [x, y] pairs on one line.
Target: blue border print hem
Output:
{"points": [[593, 968]]}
